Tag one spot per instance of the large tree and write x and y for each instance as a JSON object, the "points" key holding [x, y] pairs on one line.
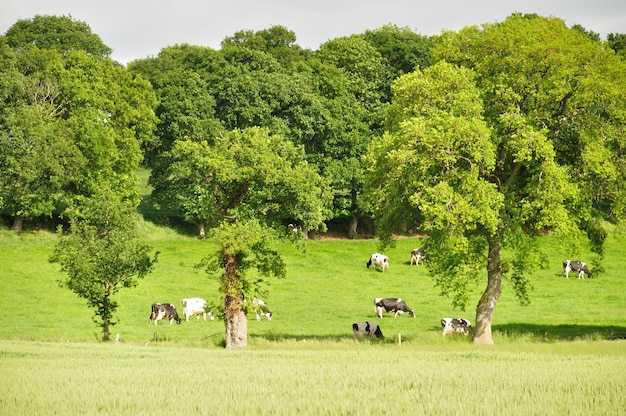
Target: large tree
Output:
{"points": [[246, 185], [71, 124], [102, 253], [522, 133]]}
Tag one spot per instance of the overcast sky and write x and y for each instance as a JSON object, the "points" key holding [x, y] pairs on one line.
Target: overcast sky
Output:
{"points": [[136, 29]]}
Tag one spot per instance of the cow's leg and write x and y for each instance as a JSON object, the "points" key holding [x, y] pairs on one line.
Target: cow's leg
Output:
{"points": [[258, 317]]}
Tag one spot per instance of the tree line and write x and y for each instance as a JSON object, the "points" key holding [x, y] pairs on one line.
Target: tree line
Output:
{"points": [[482, 138]]}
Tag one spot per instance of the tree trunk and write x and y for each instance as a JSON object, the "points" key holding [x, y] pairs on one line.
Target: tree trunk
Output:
{"points": [[18, 224], [234, 315], [201, 230], [105, 318], [352, 227], [236, 330], [487, 303]]}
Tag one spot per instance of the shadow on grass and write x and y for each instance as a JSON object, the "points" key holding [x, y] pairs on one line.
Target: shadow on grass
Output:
{"points": [[538, 333], [562, 332], [327, 339]]}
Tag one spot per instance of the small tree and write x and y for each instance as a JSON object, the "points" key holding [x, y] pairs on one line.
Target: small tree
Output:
{"points": [[101, 254]]}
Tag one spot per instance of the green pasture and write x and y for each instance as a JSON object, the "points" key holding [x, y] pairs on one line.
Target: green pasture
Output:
{"points": [[562, 354], [327, 288]]}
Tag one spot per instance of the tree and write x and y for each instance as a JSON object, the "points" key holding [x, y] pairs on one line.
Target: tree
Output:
{"points": [[246, 186], [71, 125], [617, 42], [402, 50], [60, 33], [278, 41], [101, 254], [350, 75], [521, 134]]}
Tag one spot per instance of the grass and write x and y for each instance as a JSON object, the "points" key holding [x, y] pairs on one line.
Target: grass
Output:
{"points": [[326, 289], [554, 356], [78, 378]]}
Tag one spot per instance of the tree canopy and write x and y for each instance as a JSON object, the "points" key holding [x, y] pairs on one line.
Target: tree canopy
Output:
{"points": [[71, 125], [60, 33]]}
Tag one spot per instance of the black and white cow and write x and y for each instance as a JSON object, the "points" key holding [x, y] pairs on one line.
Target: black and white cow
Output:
{"points": [[576, 266], [455, 325], [259, 308], [164, 311], [379, 261], [417, 254], [366, 329], [195, 306], [395, 305]]}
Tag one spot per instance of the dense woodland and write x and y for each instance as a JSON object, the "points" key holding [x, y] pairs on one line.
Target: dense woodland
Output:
{"points": [[482, 139]]}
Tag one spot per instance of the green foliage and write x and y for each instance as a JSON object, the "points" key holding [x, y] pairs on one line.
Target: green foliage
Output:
{"points": [[102, 254], [364, 65], [72, 125], [277, 41], [241, 186], [617, 42], [430, 169], [247, 174], [252, 245], [402, 50], [60, 33]]}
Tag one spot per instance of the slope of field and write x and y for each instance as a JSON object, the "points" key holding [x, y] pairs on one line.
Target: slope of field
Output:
{"points": [[327, 289]]}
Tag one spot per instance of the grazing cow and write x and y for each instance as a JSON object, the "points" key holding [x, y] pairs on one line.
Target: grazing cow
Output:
{"points": [[366, 329], [195, 306], [164, 311], [259, 308], [395, 305], [455, 325], [417, 254], [576, 266], [378, 261]]}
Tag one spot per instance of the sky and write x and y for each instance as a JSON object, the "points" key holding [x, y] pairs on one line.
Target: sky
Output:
{"points": [[136, 29]]}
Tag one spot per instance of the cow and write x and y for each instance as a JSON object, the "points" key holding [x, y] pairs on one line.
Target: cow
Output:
{"points": [[164, 311], [576, 266], [455, 325], [366, 329], [417, 254], [395, 305], [195, 306], [379, 261], [259, 308]]}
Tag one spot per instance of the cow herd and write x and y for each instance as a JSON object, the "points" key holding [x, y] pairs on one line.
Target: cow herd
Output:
{"points": [[199, 307], [398, 306]]}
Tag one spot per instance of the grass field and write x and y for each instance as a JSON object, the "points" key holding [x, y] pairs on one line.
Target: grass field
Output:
{"points": [[559, 355], [81, 379], [326, 290]]}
